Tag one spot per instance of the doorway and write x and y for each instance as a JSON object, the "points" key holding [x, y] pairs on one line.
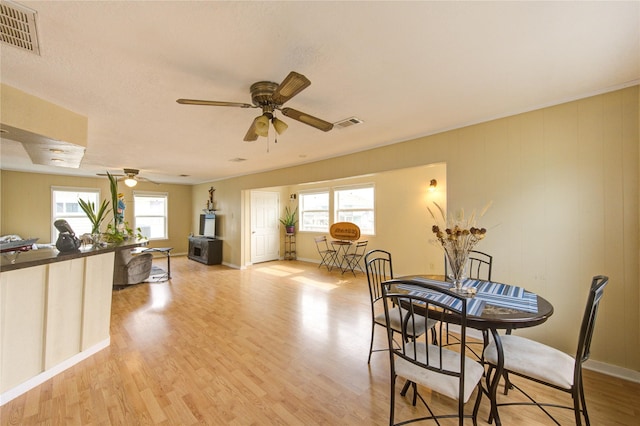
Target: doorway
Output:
{"points": [[265, 226]]}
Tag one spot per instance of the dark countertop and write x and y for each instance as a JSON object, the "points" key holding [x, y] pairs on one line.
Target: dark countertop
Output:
{"points": [[18, 260]]}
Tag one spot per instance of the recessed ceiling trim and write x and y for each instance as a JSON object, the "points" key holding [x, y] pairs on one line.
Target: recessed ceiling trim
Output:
{"points": [[18, 26], [44, 150]]}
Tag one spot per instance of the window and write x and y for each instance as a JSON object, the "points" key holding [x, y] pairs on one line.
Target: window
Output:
{"points": [[151, 214], [314, 211], [65, 206], [356, 205]]}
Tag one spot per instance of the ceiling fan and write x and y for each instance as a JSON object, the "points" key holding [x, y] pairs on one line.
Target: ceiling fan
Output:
{"points": [[270, 96], [130, 177]]}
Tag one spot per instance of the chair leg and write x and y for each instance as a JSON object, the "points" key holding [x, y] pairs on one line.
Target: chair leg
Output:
{"points": [[415, 393], [576, 406], [579, 392], [393, 398], [405, 388], [373, 326], [507, 382], [476, 406]]}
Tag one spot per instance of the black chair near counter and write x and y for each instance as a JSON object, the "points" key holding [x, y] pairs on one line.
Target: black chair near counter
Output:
{"points": [[543, 364]]}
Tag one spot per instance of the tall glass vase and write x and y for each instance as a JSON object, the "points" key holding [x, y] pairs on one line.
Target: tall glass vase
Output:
{"points": [[457, 264]]}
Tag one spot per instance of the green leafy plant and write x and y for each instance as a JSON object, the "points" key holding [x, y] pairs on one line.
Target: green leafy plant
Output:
{"points": [[114, 235], [290, 218], [96, 217]]}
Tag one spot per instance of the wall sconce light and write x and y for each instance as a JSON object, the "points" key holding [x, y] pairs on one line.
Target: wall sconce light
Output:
{"points": [[292, 197], [432, 185]]}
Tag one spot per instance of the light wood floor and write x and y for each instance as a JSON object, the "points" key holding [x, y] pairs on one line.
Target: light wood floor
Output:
{"points": [[279, 343]]}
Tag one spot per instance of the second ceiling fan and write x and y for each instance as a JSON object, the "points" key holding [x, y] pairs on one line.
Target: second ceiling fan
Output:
{"points": [[270, 96]]}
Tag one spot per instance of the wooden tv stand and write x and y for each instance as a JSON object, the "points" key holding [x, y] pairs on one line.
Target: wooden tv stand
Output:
{"points": [[205, 250]]}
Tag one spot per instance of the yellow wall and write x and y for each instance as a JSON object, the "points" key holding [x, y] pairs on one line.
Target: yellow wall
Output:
{"points": [[26, 205], [564, 182]]}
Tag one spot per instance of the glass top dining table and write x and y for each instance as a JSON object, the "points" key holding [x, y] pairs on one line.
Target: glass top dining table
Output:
{"points": [[491, 306]]}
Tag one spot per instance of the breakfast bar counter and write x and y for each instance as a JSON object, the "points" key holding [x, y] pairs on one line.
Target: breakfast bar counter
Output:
{"points": [[55, 311]]}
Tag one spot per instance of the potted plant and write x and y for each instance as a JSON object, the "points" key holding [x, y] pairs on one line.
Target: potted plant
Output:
{"points": [[96, 217], [289, 220], [119, 230]]}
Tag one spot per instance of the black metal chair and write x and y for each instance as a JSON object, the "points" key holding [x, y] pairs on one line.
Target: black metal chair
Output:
{"points": [[380, 269], [352, 259], [549, 366], [417, 359], [327, 255], [480, 265]]}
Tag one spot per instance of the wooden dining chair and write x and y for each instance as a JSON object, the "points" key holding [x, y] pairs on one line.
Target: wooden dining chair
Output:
{"points": [[441, 368], [327, 255], [543, 364]]}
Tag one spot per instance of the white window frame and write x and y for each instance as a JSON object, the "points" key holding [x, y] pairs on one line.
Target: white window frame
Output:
{"points": [[165, 216], [76, 216], [301, 212], [337, 208]]}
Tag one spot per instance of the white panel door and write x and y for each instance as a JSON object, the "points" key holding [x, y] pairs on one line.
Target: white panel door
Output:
{"points": [[265, 226]]}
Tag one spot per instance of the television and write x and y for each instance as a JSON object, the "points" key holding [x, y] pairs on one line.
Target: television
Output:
{"points": [[208, 225]]}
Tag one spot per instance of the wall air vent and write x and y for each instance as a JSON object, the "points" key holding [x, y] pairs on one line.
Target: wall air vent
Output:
{"points": [[348, 122], [18, 26]]}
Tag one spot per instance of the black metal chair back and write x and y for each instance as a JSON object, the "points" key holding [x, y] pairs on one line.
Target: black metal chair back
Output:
{"points": [[379, 269], [446, 368], [480, 265]]}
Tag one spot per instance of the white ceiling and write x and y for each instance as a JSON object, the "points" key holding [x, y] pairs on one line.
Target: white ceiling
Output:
{"points": [[407, 69]]}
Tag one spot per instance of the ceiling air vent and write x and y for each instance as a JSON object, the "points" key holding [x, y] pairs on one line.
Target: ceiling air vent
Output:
{"points": [[348, 122], [18, 26]]}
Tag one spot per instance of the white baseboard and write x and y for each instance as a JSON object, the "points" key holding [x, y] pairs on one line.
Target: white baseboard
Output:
{"points": [[613, 370], [46, 375]]}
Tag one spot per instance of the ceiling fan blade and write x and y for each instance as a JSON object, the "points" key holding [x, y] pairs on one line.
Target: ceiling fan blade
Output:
{"points": [[146, 180], [104, 174], [312, 121], [293, 84], [213, 103], [251, 133]]}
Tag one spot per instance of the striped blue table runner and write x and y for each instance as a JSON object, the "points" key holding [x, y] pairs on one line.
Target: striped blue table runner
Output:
{"points": [[487, 293]]}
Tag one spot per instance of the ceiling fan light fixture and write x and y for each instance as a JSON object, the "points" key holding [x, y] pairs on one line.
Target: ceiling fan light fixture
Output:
{"points": [[262, 125], [279, 125], [130, 182]]}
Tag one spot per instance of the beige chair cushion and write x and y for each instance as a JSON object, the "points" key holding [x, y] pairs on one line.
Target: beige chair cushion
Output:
{"points": [[441, 383], [396, 322], [534, 359]]}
